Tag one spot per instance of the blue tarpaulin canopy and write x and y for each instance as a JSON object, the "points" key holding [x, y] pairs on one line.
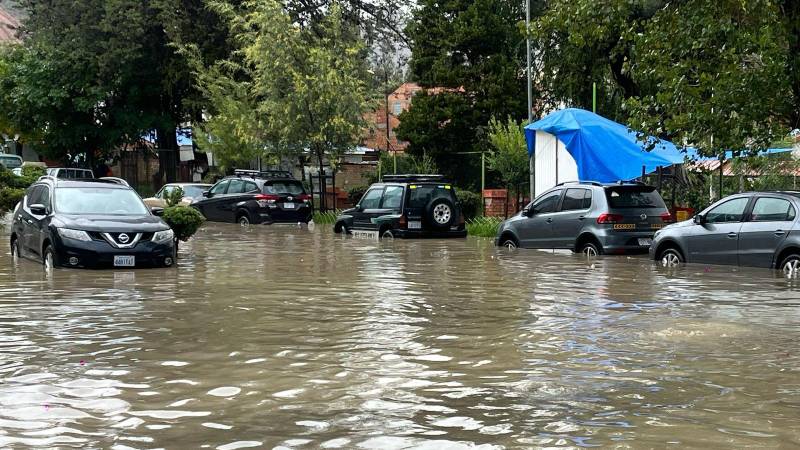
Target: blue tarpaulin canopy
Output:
{"points": [[603, 150]]}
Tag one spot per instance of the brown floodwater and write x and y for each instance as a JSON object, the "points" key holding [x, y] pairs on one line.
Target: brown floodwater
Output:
{"points": [[282, 337]]}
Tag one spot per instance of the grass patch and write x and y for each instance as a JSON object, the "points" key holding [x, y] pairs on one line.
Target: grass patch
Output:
{"points": [[328, 217], [483, 226]]}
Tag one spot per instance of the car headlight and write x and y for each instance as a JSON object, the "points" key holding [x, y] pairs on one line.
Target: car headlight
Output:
{"points": [[163, 236], [78, 235]]}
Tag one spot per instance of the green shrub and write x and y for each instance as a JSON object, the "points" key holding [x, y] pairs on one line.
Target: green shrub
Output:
{"points": [[174, 196], [9, 197], [483, 226], [184, 221], [328, 217], [471, 203]]}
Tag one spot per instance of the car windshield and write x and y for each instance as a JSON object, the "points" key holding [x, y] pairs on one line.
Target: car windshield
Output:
{"points": [[10, 162], [90, 200], [634, 197], [284, 187]]}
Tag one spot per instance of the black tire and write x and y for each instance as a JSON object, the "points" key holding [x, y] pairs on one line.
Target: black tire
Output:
{"points": [[790, 265], [440, 213], [243, 219], [49, 260], [590, 248], [340, 228], [386, 233], [670, 257], [15, 253], [509, 243]]}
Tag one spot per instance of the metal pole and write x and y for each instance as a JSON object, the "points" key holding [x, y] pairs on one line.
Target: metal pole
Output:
{"points": [[594, 97], [531, 160]]}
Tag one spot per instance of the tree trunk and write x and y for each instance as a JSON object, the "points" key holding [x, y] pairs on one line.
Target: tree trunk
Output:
{"points": [[323, 185], [167, 144]]}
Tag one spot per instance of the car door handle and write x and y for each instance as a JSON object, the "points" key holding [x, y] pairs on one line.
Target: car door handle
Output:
{"points": [[581, 217], [549, 220], [732, 235], [780, 233]]}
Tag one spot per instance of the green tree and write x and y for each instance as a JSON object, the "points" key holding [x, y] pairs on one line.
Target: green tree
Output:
{"points": [[470, 56], [717, 84], [510, 155], [293, 89]]}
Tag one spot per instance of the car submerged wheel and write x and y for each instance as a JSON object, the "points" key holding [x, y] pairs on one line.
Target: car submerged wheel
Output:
{"points": [[591, 249], [387, 234], [790, 266], [243, 220], [15, 255], [509, 244], [49, 259], [670, 258]]}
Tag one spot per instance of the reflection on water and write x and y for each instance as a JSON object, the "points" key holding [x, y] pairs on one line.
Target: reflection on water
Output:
{"points": [[291, 338]]}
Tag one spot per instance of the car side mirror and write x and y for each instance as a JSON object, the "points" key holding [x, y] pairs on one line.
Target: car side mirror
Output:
{"points": [[700, 219], [207, 194], [157, 211], [38, 209], [359, 208]]}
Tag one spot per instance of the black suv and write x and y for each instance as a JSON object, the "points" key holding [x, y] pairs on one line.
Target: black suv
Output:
{"points": [[251, 196], [89, 224], [406, 206]]}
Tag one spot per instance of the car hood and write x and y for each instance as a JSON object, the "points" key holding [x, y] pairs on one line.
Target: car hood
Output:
{"points": [[682, 224], [111, 224]]}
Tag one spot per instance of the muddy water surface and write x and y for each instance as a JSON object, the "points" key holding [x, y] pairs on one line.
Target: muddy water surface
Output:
{"points": [[279, 337]]}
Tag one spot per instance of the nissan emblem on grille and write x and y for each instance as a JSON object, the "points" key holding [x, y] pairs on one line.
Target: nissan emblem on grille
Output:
{"points": [[123, 238], [290, 198], [643, 216]]}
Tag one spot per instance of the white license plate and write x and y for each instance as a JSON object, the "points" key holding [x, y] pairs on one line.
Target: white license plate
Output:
{"points": [[645, 242], [414, 224], [124, 261], [288, 206], [364, 234]]}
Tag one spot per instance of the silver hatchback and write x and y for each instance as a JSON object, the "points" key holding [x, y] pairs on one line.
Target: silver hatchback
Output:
{"points": [[758, 229], [589, 217]]}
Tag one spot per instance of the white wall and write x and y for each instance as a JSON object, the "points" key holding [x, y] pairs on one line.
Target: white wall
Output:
{"points": [[554, 164]]}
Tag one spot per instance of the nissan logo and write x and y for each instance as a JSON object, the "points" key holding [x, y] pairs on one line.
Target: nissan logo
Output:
{"points": [[290, 199], [643, 216], [123, 238]]}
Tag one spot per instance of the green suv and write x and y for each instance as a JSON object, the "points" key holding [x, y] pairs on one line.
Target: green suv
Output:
{"points": [[405, 206]]}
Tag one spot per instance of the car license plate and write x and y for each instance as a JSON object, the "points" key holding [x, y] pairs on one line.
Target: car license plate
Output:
{"points": [[364, 234], [414, 225], [288, 206], [645, 242], [124, 261]]}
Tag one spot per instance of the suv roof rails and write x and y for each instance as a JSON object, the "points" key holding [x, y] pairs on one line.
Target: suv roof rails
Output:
{"points": [[593, 183], [263, 173], [46, 178], [413, 177]]}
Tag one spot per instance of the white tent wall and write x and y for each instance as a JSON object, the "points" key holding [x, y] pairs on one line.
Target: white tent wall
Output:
{"points": [[554, 164]]}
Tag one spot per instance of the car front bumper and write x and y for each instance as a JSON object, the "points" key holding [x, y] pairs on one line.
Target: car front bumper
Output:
{"points": [[99, 254]]}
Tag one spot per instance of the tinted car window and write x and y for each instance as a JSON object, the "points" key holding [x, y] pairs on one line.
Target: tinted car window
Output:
{"points": [[634, 197], [392, 197], [284, 187], [220, 187], [768, 209], [587, 199], [194, 191], [730, 211], [547, 203], [249, 186], [34, 195], [372, 199], [574, 199], [421, 195], [236, 186], [86, 200]]}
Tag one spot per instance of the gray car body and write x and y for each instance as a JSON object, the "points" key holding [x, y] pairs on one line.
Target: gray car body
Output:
{"points": [[745, 242], [571, 229]]}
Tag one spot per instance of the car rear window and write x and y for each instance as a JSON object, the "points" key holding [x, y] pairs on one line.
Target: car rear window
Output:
{"points": [[634, 197], [284, 187], [420, 195]]}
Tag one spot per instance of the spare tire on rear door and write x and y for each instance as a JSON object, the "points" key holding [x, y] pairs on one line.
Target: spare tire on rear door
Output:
{"points": [[440, 213]]}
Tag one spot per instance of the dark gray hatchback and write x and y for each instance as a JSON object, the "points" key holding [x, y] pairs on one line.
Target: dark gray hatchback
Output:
{"points": [[758, 229]]}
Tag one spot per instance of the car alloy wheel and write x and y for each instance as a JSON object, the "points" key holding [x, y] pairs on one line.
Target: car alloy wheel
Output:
{"points": [[590, 250], [244, 221], [670, 258], [442, 214], [509, 244], [791, 266], [49, 260], [15, 251], [387, 234]]}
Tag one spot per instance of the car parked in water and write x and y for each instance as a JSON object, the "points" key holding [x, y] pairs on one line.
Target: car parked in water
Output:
{"points": [[588, 217], [758, 229], [405, 206], [89, 224], [192, 192], [256, 197]]}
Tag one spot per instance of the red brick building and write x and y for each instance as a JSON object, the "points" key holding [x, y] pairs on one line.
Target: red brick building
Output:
{"points": [[8, 27], [376, 135]]}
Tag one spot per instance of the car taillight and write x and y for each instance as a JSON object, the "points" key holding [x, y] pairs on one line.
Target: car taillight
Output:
{"points": [[266, 199], [403, 222], [609, 218], [667, 218], [305, 198]]}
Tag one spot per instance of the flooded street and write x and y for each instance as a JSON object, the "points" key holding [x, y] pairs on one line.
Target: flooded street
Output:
{"points": [[295, 338]]}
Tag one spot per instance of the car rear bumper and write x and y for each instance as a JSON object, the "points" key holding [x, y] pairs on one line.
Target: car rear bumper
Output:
{"points": [[97, 255], [407, 234], [624, 242], [282, 216]]}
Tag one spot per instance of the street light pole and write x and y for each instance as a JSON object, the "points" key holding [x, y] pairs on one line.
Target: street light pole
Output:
{"points": [[531, 161]]}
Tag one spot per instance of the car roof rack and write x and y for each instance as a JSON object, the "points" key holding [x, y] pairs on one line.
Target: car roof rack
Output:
{"points": [[46, 178], [593, 183], [413, 178], [263, 173]]}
